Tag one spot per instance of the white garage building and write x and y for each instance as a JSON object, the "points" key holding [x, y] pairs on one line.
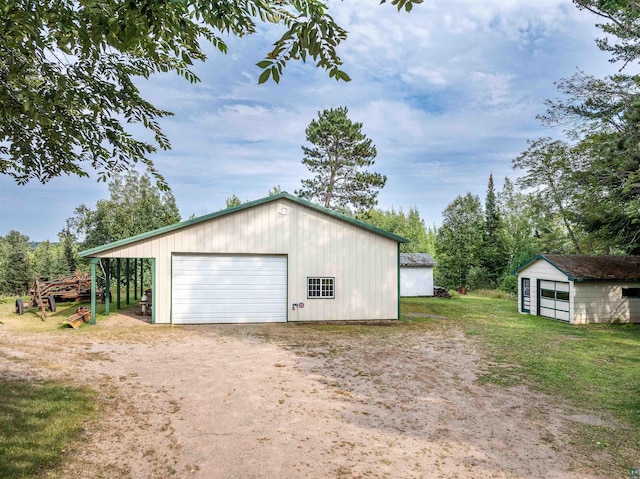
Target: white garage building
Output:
{"points": [[581, 289], [277, 259]]}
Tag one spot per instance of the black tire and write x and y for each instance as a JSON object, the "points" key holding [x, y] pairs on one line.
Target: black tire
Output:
{"points": [[19, 306], [52, 303]]}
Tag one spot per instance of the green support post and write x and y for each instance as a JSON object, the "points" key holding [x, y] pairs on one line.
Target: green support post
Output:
{"points": [[141, 277], [107, 287], [154, 298], [117, 283], [126, 270], [94, 262], [399, 306], [135, 279]]}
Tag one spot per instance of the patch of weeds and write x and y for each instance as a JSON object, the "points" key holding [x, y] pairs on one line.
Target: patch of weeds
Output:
{"points": [[343, 472]]}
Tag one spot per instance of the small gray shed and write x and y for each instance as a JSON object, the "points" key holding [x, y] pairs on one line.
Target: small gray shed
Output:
{"points": [[416, 274], [581, 289]]}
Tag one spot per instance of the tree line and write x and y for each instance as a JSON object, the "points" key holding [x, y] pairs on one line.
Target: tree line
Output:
{"points": [[577, 194], [339, 157], [136, 205]]}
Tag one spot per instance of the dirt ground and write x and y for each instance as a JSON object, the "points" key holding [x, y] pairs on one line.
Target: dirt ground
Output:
{"points": [[298, 401]]}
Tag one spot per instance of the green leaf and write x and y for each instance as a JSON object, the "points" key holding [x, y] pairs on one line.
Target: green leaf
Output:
{"points": [[264, 76]]}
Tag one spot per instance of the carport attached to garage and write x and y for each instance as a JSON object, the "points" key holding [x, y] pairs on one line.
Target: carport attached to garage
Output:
{"points": [[216, 288], [280, 258]]}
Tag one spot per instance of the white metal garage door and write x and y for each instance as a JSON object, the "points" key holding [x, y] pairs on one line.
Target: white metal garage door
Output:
{"points": [[553, 299], [228, 289]]}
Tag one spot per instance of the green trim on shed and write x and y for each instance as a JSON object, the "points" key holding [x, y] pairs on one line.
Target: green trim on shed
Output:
{"points": [[235, 209], [577, 277], [398, 292], [536, 258], [154, 296]]}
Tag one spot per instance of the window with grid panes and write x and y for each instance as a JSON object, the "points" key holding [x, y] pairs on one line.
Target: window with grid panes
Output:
{"points": [[320, 287]]}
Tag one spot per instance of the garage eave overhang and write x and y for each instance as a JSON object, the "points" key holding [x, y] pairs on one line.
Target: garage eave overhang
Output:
{"points": [[577, 276], [605, 280], [542, 257], [167, 229]]}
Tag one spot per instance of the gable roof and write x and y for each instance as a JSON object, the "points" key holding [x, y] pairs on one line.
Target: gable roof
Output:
{"points": [[416, 259], [244, 206], [592, 268]]}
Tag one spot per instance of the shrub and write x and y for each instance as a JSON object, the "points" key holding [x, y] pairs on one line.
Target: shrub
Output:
{"points": [[510, 283], [479, 279]]}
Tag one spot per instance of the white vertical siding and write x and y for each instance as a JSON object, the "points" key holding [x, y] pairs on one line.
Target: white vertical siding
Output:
{"points": [[602, 302], [543, 271], [416, 281], [363, 263], [589, 301]]}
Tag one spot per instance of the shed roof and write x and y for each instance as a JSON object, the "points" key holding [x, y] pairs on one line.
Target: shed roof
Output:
{"points": [[592, 268], [284, 195], [416, 259]]}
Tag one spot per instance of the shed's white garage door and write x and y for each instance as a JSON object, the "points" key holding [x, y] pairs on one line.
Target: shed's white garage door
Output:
{"points": [[228, 289], [553, 299]]}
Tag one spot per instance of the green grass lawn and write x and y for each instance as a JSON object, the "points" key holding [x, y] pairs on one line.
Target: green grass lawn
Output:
{"points": [[39, 420], [38, 423], [595, 367]]}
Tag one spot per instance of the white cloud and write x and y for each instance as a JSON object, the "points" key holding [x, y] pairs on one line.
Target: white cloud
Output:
{"points": [[448, 93]]}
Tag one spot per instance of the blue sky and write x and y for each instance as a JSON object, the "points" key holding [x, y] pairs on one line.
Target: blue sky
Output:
{"points": [[447, 93]]}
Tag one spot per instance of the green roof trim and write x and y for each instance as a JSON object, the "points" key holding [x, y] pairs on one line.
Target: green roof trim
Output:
{"points": [[584, 268], [280, 196]]}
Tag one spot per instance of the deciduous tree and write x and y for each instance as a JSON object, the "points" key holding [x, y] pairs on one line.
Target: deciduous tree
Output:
{"points": [[458, 241], [549, 168], [135, 207], [232, 201], [408, 225], [68, 70], [520, 237]]}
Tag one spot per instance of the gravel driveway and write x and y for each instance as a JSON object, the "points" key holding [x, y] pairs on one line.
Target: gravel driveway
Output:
{"points": [[298, 401]]}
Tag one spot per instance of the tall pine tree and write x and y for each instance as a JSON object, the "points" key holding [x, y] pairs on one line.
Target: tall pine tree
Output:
{"points": [[338, 159], [17, 275], [493, 254]]}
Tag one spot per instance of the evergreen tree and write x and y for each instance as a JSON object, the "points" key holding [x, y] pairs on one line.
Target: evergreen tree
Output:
{"points": [[338, 159], [493, 254], [69, 253], [17, 267]]}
